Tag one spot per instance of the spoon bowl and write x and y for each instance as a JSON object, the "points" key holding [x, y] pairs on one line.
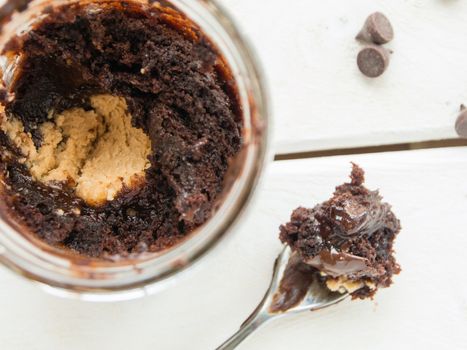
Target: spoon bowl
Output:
{"points": [[279, 302]]}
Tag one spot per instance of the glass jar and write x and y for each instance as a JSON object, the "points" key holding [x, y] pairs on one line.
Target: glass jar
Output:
{"points": [[96, 280]]}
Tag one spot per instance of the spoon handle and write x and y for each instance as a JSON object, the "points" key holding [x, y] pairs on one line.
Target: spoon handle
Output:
{"points": [[250, 325]]}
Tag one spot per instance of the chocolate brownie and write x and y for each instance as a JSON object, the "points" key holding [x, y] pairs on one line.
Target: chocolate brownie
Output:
{"points": [[348, 239], [119, 125]]}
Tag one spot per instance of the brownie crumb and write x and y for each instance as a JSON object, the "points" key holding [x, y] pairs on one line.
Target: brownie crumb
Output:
{"points": [[347, 239]]}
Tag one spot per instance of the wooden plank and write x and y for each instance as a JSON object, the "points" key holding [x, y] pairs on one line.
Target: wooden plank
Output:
{"points": [[321, 100], [425, 308]]}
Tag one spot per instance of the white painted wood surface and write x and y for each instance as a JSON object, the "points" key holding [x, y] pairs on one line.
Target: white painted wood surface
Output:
{"points": [[321, 100], [426, 308]]}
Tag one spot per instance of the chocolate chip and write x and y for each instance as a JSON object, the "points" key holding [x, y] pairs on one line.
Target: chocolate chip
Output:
{"points": [[461, 123], [373, 61], [377, 29]]}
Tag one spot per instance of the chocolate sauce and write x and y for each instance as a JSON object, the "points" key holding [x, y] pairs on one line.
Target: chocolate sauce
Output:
{"points": [[335, 263], [293, 286]]}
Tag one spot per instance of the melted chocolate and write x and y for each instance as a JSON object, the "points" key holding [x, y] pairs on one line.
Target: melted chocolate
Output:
{"points": [[336, 264], [293, 286]]}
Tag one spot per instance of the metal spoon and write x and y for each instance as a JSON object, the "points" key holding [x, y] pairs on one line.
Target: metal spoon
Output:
{"points": [[316, 297]]}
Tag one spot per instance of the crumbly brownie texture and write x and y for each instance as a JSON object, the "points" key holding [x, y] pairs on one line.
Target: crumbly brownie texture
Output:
{"points": [[348, 239], [90, 76]]}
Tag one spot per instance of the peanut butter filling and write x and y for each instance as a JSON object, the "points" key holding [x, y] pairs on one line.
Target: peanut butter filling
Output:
{"points": [[96, 152], [343, 284]]}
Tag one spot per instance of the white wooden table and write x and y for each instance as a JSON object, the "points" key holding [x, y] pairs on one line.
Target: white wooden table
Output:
{"points": [[320, 102]]}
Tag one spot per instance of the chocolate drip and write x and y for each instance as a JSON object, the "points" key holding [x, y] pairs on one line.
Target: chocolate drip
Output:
{"points": [[293, 286]]}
